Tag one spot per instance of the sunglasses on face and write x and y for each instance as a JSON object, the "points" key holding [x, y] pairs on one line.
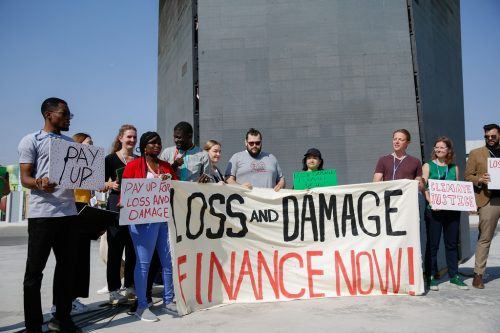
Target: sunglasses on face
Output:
{"points": [[64, 114], [493, 137], [253, 143]]}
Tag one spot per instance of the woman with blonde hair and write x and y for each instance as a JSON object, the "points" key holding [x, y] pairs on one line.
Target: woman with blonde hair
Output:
{"points": [[118, 237], [213, 149]]}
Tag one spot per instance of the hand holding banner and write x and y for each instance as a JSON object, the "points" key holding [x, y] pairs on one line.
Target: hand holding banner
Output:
{"points": [[494, 171], [452, 195], [144, 201]]}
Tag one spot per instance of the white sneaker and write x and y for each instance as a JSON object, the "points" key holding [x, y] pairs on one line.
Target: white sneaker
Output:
{"points": [[103, 290], [115, 297], [78, 307], [146, 315]]}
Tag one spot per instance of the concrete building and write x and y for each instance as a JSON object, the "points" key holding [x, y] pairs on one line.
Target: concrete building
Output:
{"points": [[332, 74]]}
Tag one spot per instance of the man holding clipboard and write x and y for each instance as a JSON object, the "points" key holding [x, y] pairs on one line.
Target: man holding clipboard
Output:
{"points": [[487, 199]]}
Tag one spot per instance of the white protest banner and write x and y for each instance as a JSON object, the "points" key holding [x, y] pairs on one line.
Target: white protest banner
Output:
{"points": [[494, 171], [74, 165], [232, 245], [452, 195], [144, 200]]}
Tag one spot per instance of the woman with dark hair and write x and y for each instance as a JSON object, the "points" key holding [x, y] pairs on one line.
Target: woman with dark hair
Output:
{"points": [[442, 221], [312, 160], [82, 271], [150, 236], [118, 237]]}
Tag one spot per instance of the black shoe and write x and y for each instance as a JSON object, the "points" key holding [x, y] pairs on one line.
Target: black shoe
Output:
{"points": [[69, 327]]}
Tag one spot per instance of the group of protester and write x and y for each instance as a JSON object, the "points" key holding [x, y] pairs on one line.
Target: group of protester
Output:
{"points": [[52, 210]]}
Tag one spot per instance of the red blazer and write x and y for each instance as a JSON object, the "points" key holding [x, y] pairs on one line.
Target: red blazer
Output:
{"points": [[138, 169]]}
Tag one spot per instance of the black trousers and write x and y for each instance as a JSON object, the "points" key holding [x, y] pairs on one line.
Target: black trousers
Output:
{"points": [[447, 223], [44, 234], [81, 280], [118, 240]]}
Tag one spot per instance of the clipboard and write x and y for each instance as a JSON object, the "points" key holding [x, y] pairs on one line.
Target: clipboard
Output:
{"points": [[93, 221], [119, 174]]}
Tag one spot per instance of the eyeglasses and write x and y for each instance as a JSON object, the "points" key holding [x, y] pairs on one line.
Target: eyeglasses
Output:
{"points": [[254, 143], [493, 137], [65, 114]]}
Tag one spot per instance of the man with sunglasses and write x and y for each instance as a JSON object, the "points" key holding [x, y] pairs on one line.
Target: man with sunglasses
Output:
{"points": [[51, 221], [253, 167], [488, 201]]}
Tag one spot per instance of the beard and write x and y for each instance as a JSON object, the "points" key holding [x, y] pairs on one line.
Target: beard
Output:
{"points": [[254, 155], [494, 145]]}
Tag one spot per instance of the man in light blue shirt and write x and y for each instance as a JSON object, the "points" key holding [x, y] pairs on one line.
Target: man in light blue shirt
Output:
{"points": [[190, 162], [51, 220]]}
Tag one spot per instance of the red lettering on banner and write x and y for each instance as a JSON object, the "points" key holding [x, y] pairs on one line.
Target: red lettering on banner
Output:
{"points": [[340, 264], [273, 278], [388, 267], [246, 269], [411, 271], [199, 257], [358, 272], [228, 285], [311, 272], [283, 259], [180, 261]]}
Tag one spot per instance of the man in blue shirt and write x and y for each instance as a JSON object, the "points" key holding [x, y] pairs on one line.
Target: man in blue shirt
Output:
{"points": [[51, 220]]}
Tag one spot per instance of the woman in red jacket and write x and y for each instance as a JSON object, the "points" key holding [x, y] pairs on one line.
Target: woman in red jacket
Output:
{"points": [[150, 236]]}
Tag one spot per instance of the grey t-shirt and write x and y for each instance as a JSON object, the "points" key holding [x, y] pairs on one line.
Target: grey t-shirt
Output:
{"points": [[196, 162], [262, 171], [34, 149]]}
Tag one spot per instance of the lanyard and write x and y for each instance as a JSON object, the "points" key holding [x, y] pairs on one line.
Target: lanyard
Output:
{"points": [[394, 167], [50, 135], [155, 174], [445, 174], [492, 155]]}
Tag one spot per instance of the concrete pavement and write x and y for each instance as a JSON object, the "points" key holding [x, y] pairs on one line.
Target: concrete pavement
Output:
{"points": [[449, 308]]}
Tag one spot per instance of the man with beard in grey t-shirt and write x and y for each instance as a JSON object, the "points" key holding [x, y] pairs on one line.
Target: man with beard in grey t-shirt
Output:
{"points": [[253, 167]]}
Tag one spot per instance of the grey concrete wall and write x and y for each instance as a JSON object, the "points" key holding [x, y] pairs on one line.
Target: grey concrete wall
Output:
{"points": [[331, 74], [438, 45], [175, 66]]}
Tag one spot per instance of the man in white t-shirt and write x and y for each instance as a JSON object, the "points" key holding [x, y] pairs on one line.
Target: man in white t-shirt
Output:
{"points": [[51, 221], [253, 167]]}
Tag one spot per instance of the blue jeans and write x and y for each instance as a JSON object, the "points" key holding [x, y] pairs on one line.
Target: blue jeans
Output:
{"points": [[147, 237], [448, 222]]}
